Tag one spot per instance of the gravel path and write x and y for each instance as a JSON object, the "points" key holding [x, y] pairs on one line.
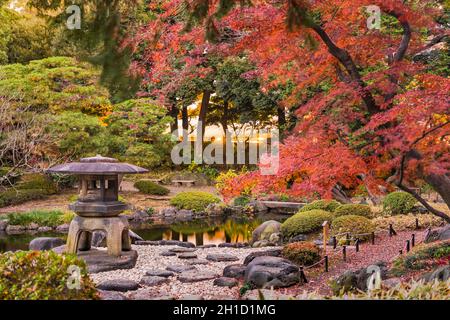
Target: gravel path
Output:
{"points": [[150, 259]]}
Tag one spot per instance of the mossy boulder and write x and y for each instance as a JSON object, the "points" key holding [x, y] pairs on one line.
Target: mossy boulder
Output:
{"points": [[265, 230]]}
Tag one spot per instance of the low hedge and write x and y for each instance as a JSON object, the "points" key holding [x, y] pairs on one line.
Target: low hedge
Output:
{"points": [[149, 187], [302, 253], [241, 201], [305, 222], [13, 197], [353, 209], [37, 181], [398, 203], [43, 275], [193, 200], [327, 205], [355, 225], [52, 218]]}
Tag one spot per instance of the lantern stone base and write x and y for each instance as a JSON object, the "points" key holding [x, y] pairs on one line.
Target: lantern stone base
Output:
{"points": [[116, 228]]}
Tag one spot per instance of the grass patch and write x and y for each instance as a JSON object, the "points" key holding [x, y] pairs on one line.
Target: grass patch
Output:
{"points": [[42, 218]]}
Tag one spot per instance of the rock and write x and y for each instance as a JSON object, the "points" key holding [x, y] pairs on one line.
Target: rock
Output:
{"points": [[267, 272], [100, 261], [44, 229], [263, 243], [215, 209], [151, 281], [176, 243], [236, 271], [265, 230], [419, 209], [98, 238], [147, 243], [275, 238], [168, 212], [298, 238], [438, 234], [233, 245], [253, 255], [12, 229], [140, 216], [221, 257], [187, 255], [63, 228], [159, 273], [441, 274], [45, 243], [180, 268], [392, 282], [351, 280], [182, 250], [3, 224], [206, 246], [60, 249], [258, 206], [184, 214], [225, 282], [167, 254], [111, 295], [196, 276], [122, 285], [430, 53], [197, 261], [134, 236], [33, 226]]}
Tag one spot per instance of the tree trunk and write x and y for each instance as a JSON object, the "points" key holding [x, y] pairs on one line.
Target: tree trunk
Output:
{"points": [[173, 112], [441, 184], [224, 121], [184, 118], [281, 120], [340, 195], [204, 110]]}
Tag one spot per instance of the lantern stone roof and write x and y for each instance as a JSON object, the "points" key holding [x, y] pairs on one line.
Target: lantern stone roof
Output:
{"points": [[97, 165]]}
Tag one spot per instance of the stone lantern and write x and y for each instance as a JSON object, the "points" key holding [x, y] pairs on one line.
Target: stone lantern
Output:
{"points": [[98, 206]]}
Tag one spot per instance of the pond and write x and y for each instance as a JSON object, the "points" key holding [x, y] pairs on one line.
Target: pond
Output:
{"points": [[200, 232]]}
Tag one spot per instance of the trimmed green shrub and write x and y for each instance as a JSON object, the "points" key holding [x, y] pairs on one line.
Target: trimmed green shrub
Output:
{"points": [[241, 201], [353, 209], [305, 222], [13, 197], [37, 181], [40, 217], [149, 187], [398, 203], [43, 275], [354, 225], [327, 205], [193, 200], [302, 253]]}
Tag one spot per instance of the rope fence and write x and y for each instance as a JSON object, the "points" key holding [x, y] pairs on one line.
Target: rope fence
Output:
{"points": [[347, 238]]}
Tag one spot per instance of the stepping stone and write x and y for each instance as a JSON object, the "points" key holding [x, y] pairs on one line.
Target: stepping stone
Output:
{"points": [[111, 295], [151, 281], [225, 282], [234, 271], [159, 273], [180, 268], [176, 243], [122, 285], [196, 276], [167, 254], [221, 257], [187, 255], [182, 250], [197, 261], [206, 246]]}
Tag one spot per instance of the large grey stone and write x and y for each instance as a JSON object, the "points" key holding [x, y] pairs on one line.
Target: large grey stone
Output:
{"points": [[197, 261], [206, 246], [187, 255], [176, 243], [101, 261], [180, 268], [44, 229], [441, 274], [265, 230], [168, 212], [438, 234], [159, 273], [225, 282], [63, 228], [267, 272], [221, 257], [45, 243], [12, 229], [196, 276], [99, 238], [122, 285], [151, 281], [111, 295], [182, 250], [253, 255], [352, 280], [140, 216], [168, 254], [3, 224], [234, 271]]}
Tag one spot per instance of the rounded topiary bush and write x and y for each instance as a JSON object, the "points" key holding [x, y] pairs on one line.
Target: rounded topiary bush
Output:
{"points": [[302, 253], [359, 226], [398, 203], [353, 209], [327, 205], [193, 200], [149, 187], [44, 275], [305, 222]]}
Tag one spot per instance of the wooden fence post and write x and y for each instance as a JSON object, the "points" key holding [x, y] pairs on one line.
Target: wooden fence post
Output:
{"points": [[413, 240], [334, 242], [303, 276], [417, 223], [326, 232], [326, 263], [407, 246], [344, 252], [357, 244], [373, 238]]}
